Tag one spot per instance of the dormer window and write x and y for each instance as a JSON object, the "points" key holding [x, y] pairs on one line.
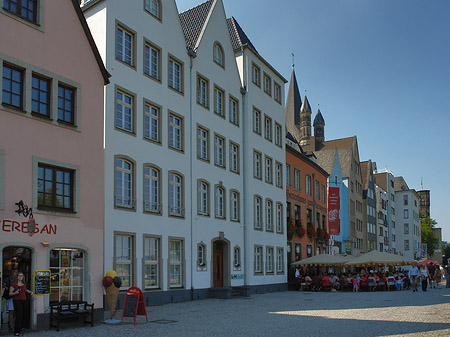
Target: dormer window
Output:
{"points": [[153, 7], [218, 55]]}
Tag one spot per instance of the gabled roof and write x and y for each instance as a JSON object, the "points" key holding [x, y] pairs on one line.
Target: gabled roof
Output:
{"points": [[400, 184], [238, 36], [192, 22], [366, 171]]}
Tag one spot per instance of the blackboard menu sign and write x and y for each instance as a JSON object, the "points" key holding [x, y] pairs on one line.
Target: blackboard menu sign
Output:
{"points": [[42, 282], [130, 306]]}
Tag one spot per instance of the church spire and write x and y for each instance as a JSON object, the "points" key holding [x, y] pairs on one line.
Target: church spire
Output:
{"points": [[293, 105], [319, 128]]}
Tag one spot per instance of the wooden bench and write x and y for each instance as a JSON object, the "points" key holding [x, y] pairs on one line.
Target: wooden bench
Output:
{"points": [[71, 309]]}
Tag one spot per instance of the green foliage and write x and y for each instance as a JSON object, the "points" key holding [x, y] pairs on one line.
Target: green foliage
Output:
{"points": [[428, 236]]}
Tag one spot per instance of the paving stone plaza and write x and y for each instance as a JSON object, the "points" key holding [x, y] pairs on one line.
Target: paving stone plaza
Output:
{"points": [[290, 313]]}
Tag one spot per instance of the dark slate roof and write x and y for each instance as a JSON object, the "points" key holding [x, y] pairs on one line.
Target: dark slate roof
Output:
{"points": [[319, 118], [192, 22], [305, 106], [238, 37], [293, 102]]}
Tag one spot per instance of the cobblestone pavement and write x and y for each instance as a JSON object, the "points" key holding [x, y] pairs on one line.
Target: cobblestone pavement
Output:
{"points": [[290, 313]]}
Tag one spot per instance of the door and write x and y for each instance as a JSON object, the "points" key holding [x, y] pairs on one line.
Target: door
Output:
{"points": [[218, 265]]}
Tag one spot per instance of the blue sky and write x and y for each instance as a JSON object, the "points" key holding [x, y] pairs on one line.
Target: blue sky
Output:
{"points": [[380, 70]]}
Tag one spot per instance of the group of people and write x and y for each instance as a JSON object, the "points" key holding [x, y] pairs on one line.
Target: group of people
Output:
{"points": [[373, 280], [15, 293]]}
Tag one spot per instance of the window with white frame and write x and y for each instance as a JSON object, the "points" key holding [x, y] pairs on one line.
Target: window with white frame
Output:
{"points": [[152, 122], [203, 198], [234, 157], [152, 61], [257, 121], [152, 189], [218, 55], [269, 170], [258, 263], [256, 75], [267, 85], [67, 268], [405, 214], [151, 262], [201, 255], [219, 108], [280, 260], [237, 257], [176, 203], [406, 245], [279, 217], [125, 45], [258, 212], [175, 75], [124, 246], [269, 215], [124, 111], [175, 132], [153, 7], [308, 185], [219, 151], [176, 256], [268, 128], [257, 163], [277, 92], [202, 143], [124, 181], [288, 175], [297, 179], [234, 111], [202, 91], [278, 135], [269, 260], [234, 206], [323, 193], [406, 228], [279, 174], [219, 202]]}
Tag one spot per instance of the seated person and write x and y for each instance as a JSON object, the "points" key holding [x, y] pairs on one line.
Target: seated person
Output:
{"points": [[390, 282], [372, 282], [334, 280], [325, 282], [364, 282]]}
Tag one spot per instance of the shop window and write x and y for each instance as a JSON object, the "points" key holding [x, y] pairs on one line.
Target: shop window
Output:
{"points": [[67, 274]]}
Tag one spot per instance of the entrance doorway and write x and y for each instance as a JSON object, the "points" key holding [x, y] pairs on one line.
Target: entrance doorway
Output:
{"points": [[19, 258], [218, 264]]}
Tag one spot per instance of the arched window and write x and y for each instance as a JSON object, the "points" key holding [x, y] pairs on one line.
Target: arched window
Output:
{"points": [[218, 55], [269, 215], [201, 255], [234, 206], [176, 207], [124, 183], [237, 257], [152, 189], [203, 197], [258, 212], [220, 202], [153, 7]]}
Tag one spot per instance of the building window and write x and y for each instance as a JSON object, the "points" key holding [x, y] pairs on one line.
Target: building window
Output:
{"points": [[124, 259], [278, 135], [201, 255], [66, 104], [237, 257], [279, 174], [219, 202], [257, 163], [152, 190], [152, 122], [202, 144], [151, 262], [218, 55], [40, 96], [268, 170], [257, 121], [406, 245], [317, 190], [175, 75], [175, 132], [269, 215], [176, 204], [219, 151], [267, 85], [234, 206], [323, 193], [288, 175], [258, 212], [269, 260], [234, 157], [406, 228], [202, 91], [203, 198], [12, 86], [308, 185], [279, 218], [124, 184], [218, 102], [280, 260], [153, 7], [23, 8], [277, 92], [55, 188], [234, 111], [67, 274], [152, 61], [258, 260], [175, 263], [256, 75], [124, 111], [125, 45], [296, 179], [405, 214], [267, 128]]}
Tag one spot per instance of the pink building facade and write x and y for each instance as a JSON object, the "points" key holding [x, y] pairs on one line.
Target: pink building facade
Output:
{"points": [[51, 153]]}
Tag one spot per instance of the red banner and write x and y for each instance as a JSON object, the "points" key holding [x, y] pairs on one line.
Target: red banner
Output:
{"points": [[333, 210]]}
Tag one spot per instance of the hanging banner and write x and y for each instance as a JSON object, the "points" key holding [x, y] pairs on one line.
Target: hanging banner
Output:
{"points": [[333, 210]]}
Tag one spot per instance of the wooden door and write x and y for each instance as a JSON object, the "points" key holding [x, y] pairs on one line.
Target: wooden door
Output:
{"points": [[218, 268]]}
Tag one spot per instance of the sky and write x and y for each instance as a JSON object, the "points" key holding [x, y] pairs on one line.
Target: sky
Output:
{"points": [[377, 69]]}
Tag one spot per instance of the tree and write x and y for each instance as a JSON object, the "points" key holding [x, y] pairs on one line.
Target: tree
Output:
{"points": [[428, 236]]}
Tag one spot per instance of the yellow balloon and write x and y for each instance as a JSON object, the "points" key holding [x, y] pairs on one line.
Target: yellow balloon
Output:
{"points": [[111, 273]]}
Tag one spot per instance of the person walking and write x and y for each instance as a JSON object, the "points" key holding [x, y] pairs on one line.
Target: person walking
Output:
{"points": [[432, 274], [424, 276], [413, 275], [19, 290]]}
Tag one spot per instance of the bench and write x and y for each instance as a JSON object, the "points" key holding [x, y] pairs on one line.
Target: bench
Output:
{"points": [[71, 309]]}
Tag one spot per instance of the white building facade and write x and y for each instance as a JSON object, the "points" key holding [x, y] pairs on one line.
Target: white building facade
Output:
{"points": [[382, 219]]}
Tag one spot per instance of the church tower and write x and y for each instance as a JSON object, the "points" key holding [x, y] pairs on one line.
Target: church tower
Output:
{"points": [[293, 105], [319, 129], [305, 122]]}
